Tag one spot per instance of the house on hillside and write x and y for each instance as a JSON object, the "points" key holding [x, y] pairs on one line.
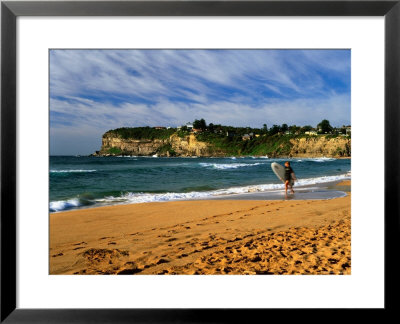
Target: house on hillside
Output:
{"points": [[312, 133], [159, 127], [196, 130], [189, 126], [246, 137]]}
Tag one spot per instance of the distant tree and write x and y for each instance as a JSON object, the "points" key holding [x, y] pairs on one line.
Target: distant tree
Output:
{"points": [[306, 128], [196, 123], [211, 127], [200, 124], [265, 129], [324, 127], [275, 129], [294, 129], [203, 124], [284, 128], [140, 132]]}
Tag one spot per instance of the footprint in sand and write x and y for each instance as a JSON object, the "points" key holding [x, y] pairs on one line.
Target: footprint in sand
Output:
{"points": [[132, 269], [129, 271], [160, 261], [80, 243]]}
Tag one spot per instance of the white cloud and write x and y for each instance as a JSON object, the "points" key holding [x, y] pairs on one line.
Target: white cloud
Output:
{"points": [[92, 120], [92, 91]]}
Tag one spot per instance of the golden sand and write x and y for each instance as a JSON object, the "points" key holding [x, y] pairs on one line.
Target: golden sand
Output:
{"points": [[204, 237]]}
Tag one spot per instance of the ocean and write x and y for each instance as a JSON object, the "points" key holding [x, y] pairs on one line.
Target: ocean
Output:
{"points": [[83, 182]]}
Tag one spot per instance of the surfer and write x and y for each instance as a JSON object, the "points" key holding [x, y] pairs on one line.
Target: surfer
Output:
{"points": [[289, 177]]}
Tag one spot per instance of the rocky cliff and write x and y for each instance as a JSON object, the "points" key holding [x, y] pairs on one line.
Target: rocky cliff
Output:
{"points": [[112, 145], [189, 146], [173, 146], [320, 146], [312, 146]]}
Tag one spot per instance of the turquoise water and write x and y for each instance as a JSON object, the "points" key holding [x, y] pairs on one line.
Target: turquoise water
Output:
{"points": [[79, 182]]}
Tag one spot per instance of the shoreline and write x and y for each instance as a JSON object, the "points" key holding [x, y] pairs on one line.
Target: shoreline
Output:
{"points": [[219, 156], [318, 191], [205, 237]]}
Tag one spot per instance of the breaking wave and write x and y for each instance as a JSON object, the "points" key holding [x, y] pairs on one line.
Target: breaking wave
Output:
{"points": [[134, 198], [225, 166]]}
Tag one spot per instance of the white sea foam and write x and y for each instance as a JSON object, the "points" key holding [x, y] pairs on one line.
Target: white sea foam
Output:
{"points": [[224, 166], [322, 159], [71, 171], [132, 198], [129, 198], [64, 204], [127, 156]]}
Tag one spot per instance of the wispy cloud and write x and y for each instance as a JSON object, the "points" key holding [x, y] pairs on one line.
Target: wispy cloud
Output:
{"points": [[92, 91]]}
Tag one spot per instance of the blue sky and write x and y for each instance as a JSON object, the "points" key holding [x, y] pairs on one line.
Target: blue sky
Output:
{"points": [[92, 91]]}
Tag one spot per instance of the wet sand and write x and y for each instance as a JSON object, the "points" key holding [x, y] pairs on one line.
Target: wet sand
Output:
{"points": [[205, 237]]}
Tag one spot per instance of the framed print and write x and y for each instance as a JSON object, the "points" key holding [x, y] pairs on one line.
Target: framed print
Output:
{"points": [[205, 150]]}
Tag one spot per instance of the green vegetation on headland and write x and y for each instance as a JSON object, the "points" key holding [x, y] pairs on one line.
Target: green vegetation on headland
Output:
{"points": [[166, 149], [189, 140], [114, 151], [141, 133]]}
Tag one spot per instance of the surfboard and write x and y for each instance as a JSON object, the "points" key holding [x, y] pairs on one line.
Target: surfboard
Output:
{"points": [[279, 171]]}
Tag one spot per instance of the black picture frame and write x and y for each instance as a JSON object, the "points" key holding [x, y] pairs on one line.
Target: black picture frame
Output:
{"points": [[10, 10]]}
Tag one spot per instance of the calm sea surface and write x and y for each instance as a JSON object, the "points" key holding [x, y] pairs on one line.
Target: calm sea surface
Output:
{"points": [[79, 182]]}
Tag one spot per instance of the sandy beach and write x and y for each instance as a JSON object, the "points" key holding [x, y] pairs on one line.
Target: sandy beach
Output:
{"points": [[205, 237]]}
